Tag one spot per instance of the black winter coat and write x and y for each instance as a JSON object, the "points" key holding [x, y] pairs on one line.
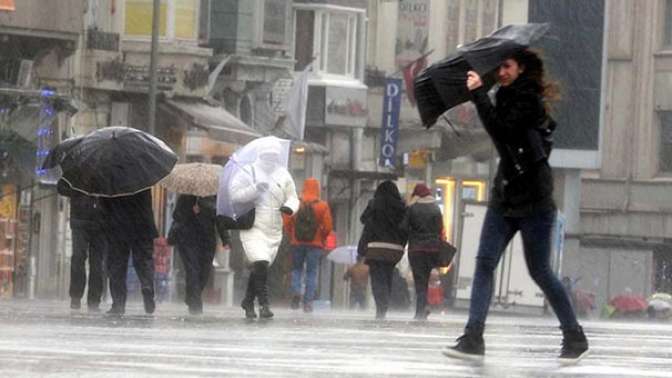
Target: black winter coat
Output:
{"points": [[131, 217], [85, 211], [198, 229], [521, 132], [381, 229], [423, 223]]}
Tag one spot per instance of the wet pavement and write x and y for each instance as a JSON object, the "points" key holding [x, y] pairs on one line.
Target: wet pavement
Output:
{"points": [[45, 338]]}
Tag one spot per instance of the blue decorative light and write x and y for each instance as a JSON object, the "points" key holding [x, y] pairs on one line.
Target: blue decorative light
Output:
{"points": [[47, 93]]}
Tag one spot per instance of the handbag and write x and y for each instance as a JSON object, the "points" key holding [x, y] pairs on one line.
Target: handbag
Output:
{"points": [[445, 254], [244, 222]]}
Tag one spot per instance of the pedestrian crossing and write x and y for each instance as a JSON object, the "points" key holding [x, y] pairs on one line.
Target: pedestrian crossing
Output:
{"points": [[37, 342]]}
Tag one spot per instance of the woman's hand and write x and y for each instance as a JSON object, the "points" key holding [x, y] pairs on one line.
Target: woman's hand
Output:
{"points": [[473, 80]]}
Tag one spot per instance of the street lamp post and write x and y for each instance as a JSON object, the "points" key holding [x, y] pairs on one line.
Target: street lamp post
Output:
{"points": [[152, 65]]}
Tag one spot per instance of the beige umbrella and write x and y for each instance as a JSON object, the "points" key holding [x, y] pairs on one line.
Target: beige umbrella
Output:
{"points": [[199, 179]]}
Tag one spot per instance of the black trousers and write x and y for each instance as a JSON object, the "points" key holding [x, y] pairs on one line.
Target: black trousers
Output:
{"points": [[422, 264], [381, 284], [87, 243], [141, 251], [197, 261]]}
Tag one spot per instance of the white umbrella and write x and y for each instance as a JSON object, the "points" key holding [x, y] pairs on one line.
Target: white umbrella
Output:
{"points": [[346, 254], [240, 166]]}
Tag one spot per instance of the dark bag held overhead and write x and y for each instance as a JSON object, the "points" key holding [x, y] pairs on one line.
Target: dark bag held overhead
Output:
{"points": [[446, 254]]}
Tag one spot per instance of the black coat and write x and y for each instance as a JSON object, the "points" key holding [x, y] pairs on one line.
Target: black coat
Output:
{"points": [[198, 229], [382, 221], [423, 223], [131, 217], [85, 211], [521, 132]]}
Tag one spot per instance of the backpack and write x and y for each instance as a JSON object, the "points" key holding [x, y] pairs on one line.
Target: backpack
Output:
{"points": [[305, 226]]}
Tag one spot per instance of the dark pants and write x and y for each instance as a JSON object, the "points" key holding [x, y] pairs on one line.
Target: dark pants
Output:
{"points": [[141, 251], [197, 261], [536, 231], [358, 298], [381, 285], [422, 264], [87, 243]]}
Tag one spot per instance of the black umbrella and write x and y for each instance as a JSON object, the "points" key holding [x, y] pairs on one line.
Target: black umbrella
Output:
{"points": [[443, 85], [115, 161], [57, 153]]}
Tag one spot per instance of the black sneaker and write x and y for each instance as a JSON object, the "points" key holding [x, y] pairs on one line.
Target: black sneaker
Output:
{"points": [[115, 311], [75, 304], [307, 307], [470, 346], [296, 302], [249, 310], [574, 346]]}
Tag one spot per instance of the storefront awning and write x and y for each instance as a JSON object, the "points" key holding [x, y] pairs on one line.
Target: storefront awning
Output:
{"points": [[217, 122]]}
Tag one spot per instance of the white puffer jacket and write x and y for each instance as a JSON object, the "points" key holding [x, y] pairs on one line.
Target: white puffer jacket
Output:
{"points": [[261, 242]]}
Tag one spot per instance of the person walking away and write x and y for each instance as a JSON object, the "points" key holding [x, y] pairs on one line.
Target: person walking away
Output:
{"points": [[382, 241], [308, 230], [131, 231], [197, 225], [424, 224], [273, 193], [358, 275], [88, 241], [521, 199]]}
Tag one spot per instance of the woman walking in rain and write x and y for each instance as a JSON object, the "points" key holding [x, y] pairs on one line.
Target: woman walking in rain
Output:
{"points": [[382, 241], [521, 199], [197, 226], [424, 224], [273, 193]]}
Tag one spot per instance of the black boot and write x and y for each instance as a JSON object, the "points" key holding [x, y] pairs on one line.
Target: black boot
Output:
{"points": [[574, 346], [148, 300], [248, 301], [261, 290], [470, 346]]}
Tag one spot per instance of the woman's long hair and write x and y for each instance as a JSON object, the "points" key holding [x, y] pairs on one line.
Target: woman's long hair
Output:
{"points": [[533, 69]]}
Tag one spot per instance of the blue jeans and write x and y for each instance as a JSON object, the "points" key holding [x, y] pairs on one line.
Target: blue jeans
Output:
{"points": [[536, 231], [309, 255]]}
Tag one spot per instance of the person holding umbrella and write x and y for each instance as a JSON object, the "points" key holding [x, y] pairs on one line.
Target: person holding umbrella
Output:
{"points": [[196, 241], [268, 185], [120, 165], [195, 225], [521, 198], [382, 241], [424, 224]]}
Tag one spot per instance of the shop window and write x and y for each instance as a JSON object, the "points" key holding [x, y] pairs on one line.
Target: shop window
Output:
{"points": [[178, 18], [665, 155]]}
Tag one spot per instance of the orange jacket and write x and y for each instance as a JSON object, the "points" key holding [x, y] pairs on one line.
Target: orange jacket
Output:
{"points": [[311, 194]]}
